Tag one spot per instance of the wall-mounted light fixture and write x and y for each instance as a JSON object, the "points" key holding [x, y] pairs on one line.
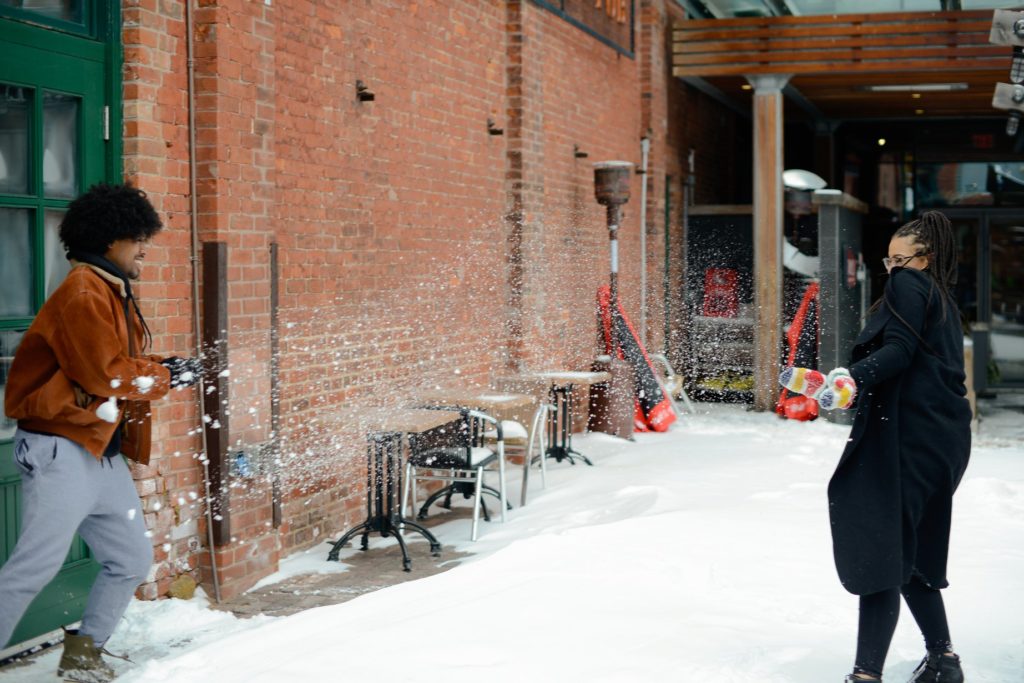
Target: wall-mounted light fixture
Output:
{"points": [[579, 153], [492, 128], [363, 93]]}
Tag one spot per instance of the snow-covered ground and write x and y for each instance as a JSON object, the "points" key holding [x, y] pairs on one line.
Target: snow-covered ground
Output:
{"points": [[700, 555]]}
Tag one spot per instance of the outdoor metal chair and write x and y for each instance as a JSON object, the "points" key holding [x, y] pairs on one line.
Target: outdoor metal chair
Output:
{"points": [[673, 383], [529, 445], [460, 460]]}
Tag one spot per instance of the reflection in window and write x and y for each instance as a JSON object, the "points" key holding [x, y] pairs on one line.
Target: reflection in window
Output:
{"points": [[1008, 300], [65, 10], [9, 340], [60, 145], [15, 108], [890, 187], [56, 262], [970, 184], [15, 263]]}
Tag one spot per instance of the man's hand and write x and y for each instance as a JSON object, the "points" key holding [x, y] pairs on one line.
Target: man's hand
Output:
{"points": [[184, 371]]}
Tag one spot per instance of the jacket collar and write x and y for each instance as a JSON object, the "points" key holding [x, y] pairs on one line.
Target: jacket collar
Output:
{"points": [[109, 277]]}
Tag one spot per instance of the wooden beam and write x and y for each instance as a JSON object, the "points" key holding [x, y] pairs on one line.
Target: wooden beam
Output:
{"points": [[882, 43], [844, 19], [907, 66], [768, 203], [685, 46]]}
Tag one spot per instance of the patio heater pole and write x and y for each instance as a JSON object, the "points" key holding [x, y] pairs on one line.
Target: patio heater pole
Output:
{"points": [[611, 187], [612, 407]]}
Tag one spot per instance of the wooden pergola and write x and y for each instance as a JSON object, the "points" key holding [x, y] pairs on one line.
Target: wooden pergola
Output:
{"points": [[830, 68]]}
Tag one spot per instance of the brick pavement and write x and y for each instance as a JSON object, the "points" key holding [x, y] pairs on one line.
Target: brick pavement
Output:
{"points": [[376, 568]]}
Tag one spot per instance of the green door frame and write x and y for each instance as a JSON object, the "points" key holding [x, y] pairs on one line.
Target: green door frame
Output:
{"points": [[82, 61]]}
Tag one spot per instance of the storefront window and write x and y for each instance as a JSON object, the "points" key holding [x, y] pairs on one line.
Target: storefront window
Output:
{"points": [[970, 184]]}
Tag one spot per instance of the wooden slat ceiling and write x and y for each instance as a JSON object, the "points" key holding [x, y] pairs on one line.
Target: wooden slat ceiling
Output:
{"points": [[834, 59]]}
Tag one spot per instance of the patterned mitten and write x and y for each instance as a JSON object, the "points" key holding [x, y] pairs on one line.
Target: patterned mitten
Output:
{"points": [[839, 392], [803, 381]]}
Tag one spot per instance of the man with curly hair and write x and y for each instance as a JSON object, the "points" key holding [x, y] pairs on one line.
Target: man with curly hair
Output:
{"points": [[79, 388]]}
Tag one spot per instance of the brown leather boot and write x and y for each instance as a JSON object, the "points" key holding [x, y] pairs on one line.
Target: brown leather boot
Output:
{"points": [[82, 661]]}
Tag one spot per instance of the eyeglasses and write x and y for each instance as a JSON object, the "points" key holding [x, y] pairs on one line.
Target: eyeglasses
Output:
{"points": [[899, 261]]}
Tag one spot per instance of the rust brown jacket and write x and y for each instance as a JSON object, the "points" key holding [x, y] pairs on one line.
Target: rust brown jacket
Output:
{"points": [[74, 356]]}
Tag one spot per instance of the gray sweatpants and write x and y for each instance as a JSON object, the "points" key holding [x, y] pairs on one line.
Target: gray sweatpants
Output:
{"points": [[66, 490]]}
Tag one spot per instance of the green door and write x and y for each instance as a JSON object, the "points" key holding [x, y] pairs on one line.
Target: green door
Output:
{"points": [[55, 80]]}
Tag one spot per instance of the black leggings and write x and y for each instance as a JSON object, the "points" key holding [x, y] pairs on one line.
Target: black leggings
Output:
{"points": [[879, 613]]}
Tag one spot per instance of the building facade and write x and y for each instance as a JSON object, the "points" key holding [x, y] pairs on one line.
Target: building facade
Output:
{"points": [[368, 197]]}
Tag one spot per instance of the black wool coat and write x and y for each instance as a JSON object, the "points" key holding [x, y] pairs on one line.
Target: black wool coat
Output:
{"points": [[891, 497]]}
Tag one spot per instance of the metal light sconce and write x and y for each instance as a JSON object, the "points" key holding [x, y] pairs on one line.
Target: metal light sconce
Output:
{"points": [[1008, 29], [492, 128], [363, 93], [579, 153]]}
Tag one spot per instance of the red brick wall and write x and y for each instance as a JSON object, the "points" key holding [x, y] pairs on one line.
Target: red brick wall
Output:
{"points": [[415, 248], [574, 92], [388, 219], [155, 158], [679, 118]]}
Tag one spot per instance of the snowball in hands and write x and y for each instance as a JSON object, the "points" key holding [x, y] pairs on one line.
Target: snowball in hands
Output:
{"points": [[144, 383], [108, 411]]}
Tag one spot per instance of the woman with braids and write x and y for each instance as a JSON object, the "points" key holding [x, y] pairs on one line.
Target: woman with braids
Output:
{"points": [[890, 499]]}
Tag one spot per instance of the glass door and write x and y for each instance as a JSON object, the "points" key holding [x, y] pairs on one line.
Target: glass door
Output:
{"points": [[1006, 283], [968, 228], [52, 146], [990, 292]]}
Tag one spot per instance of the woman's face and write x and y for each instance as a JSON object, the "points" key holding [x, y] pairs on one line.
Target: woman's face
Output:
{"points": [[905, 252]]}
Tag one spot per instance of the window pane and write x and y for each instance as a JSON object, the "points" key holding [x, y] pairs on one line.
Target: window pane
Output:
{"points": [[65, 10], [15, 109], [15, 263], [60, 145], [1007, 238], [9, 340], [56, 262]]}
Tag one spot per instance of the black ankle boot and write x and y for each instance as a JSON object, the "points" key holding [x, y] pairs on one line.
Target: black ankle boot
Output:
{"points": [[938, 667]]}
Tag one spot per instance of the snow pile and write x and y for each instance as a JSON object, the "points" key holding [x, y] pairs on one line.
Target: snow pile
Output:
{"points": [[702, 555]]}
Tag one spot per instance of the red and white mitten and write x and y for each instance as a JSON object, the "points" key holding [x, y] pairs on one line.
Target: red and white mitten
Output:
{"points": [[839, 392], [803, 381]]}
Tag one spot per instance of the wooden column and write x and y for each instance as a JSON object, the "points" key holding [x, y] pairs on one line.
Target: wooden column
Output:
{"points": [[768, 204]]}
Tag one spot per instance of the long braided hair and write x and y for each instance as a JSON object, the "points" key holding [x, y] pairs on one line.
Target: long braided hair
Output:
{"points": [[933, 233]]}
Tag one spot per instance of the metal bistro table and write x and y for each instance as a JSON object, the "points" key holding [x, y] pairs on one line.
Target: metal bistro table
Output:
{"points": [[559, 387], [498, 404], [385, 431]]}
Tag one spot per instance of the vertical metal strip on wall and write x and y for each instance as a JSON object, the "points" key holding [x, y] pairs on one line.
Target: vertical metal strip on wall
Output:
{"points": [[275, 389], [215, 401]]}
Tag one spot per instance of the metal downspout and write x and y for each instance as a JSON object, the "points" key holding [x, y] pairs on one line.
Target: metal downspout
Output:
{"points": [[645, 148], [194, 258], [666, 281]]}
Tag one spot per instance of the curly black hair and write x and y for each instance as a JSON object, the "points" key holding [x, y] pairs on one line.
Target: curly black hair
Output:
{"points": [[107, 213]]}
